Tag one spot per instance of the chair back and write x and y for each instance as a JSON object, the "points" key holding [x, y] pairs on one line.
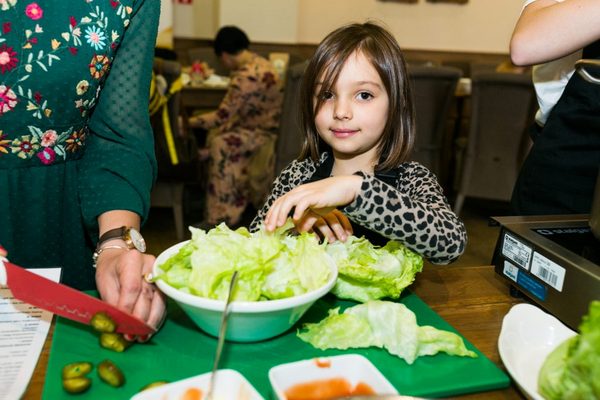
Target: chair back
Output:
{"points": [[502, 110], [290, 139], [184, 145], [433, 90]]}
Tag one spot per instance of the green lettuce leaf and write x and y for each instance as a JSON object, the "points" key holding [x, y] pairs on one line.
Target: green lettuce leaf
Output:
{"points": [[271, 265], [572, 370], [382, 324], [367, 272]]}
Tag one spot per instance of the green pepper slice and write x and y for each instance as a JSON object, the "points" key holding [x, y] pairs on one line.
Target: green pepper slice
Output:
{"points": [[110, 373], [76, 385], [114, 341], [103, 323]]}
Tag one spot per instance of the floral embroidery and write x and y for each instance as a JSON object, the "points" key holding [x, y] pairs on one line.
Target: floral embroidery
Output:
{"points": [[34, 11], [99, 65], [49, 138], [8, 58], [4, 143], [6, 4], [82, 87], [8, 99], [75, 141], [85, 40], [26, 147], [95, 37], [47, 156]]}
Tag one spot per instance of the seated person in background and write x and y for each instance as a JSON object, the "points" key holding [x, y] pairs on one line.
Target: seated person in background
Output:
{"points": [[353, 175], [246, 120]]}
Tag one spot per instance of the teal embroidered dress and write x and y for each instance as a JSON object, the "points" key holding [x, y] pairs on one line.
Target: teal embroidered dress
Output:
{"points": [[75, 136]]}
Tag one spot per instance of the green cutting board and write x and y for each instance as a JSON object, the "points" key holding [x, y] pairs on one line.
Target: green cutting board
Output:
{"points": [[180, 350]]}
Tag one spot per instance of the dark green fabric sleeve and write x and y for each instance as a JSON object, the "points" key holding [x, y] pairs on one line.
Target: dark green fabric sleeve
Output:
{"points": [[119, 165]]}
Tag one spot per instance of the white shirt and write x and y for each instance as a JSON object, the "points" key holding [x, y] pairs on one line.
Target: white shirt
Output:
{"points": [[550, 79]]}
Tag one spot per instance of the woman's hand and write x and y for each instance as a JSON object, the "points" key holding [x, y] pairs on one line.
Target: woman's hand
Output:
{"points": [[331, 226], [120, 281], [3, 252], [313, 199]]}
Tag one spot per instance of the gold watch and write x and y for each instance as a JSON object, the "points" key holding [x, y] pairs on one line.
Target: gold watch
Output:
{"points": [[132, 237]]}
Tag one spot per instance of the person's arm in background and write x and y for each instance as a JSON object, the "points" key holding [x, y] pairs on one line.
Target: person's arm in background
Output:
{"points": [[119, 167], [548, 29]]}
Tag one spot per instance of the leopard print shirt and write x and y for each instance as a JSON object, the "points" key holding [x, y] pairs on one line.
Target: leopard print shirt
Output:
{"points": [[414, 212]]}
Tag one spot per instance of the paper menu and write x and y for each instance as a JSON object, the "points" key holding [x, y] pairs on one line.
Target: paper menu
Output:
{"points": [[23, 331]]}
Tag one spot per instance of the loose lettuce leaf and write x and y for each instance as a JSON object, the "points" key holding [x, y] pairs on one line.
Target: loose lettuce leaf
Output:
{"points": [[367, 272], [382, 324], [572, 370]]}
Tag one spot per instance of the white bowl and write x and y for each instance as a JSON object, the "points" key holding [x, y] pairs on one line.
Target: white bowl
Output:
{"points": [[353, 368], [249, 321], [229, 385], [527, 336]]}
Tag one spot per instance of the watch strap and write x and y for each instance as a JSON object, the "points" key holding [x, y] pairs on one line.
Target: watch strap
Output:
{"points": [[116, 233]]}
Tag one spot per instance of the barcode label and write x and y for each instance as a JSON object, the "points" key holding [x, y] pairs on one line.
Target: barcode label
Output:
{"points": [[516, 251], [548, 271]]}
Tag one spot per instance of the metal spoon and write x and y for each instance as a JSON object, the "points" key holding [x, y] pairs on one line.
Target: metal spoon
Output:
{"points": [[221, 338]]}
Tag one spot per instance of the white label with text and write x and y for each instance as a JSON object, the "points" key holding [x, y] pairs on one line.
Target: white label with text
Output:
{"points": [[517, 251]]}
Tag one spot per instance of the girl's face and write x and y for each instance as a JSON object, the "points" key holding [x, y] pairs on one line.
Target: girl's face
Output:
{"points": [[354, 113]]}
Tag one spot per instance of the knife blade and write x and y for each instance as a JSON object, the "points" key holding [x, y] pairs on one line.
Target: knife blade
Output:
{"points": [[65, 301]]}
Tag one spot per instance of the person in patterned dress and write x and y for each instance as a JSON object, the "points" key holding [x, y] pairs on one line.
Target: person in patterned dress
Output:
{"points": [[247, 120], [76, 145], [352, 176]]}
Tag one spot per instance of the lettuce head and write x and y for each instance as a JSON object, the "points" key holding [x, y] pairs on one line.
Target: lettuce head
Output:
{"points": [[572, 370]]}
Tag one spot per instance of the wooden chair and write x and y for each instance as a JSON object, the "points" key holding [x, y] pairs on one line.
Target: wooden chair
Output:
{"points": [[169, 188], [503, 108]]}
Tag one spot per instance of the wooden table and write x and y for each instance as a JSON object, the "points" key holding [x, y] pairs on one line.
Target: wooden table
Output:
{"points": [[201, 97], [472, 299]]}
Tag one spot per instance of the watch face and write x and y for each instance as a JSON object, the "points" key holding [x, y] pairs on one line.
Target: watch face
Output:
{"points": [[138, 241]]}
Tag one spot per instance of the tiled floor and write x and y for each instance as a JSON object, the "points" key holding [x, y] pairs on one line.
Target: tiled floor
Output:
{"points": [[159, 231]]}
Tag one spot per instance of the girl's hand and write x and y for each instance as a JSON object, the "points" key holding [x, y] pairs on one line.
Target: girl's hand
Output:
{"points": [[332, 226], [319, 197], [3, 252], [120, 281]]}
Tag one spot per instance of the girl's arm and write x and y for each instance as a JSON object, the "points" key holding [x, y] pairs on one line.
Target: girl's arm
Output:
{"points": [[548, 29], [415, 213]]}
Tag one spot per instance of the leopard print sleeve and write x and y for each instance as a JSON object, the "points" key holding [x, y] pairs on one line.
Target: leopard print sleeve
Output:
{"points": [[293, 175], [415, 212]]}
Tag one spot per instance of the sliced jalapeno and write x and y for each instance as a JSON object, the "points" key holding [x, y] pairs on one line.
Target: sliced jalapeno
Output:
{"points": [[76, 369], [153, 385], [77, 385], [103, 323], [110, 373], [114, 341]]}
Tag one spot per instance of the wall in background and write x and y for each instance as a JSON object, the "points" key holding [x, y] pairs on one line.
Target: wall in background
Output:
{"points": [[423, 26]]}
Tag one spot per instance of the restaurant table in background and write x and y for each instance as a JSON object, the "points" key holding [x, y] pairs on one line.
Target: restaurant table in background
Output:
{"points": [[201, 97], [473, 300]]}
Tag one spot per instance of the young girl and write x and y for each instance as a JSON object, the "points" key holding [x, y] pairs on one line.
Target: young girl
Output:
{"points": [[352, 176]]}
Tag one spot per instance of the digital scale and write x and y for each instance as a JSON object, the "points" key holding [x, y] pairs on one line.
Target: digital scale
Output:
{"points": [[552, 260]]}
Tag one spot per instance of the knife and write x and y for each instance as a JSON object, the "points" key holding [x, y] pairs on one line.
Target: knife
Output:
{"points": [[64, 300]]}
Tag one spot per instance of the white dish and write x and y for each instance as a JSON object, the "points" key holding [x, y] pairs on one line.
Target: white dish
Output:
{"points": [[527, 336], [229, 385], [353, 368]]}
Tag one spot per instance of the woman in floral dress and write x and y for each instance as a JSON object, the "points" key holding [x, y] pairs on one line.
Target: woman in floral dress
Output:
{"points": [[76, 149]]}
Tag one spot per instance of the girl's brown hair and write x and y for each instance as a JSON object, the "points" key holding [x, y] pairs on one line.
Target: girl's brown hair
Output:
{"points": [[384, 53]]}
